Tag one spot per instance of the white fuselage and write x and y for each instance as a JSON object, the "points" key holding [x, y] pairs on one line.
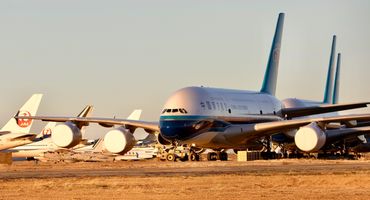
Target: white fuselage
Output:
{"points": [[188, 106]]}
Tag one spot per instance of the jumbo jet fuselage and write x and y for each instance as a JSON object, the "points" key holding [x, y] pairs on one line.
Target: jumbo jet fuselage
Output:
{"points": [[186, 113]]}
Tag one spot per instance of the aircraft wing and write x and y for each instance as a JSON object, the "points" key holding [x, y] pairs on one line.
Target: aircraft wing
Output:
{"points": [[338, 134], [150, 127], [313, 110], [269, 128], [15, 136], [12, 140]]}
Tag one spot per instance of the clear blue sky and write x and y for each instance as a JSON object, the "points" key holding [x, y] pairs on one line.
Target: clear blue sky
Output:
{"points": [[122, 55]]}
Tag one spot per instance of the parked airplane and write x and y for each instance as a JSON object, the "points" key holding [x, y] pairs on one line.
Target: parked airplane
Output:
{"points": [[222, 119], [16, 132], [37, 149], [48, 139], [328, 93]]}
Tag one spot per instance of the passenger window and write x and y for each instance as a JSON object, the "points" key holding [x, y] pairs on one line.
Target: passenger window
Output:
{"points": [[168, 110], [208, 105], [175, 110], [164, 110], [213, 105]]}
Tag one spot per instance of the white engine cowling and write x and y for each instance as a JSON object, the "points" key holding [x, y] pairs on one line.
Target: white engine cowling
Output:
{"points": [[66, 135], [119, 141], [310, 138]]}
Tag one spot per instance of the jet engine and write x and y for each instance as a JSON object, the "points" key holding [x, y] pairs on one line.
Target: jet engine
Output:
{"points": [[119, 141], [66, 135], [310, 138]]}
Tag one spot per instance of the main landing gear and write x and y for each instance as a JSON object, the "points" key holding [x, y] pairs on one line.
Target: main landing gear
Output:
{"points": [[218, 155], [179, 153]]}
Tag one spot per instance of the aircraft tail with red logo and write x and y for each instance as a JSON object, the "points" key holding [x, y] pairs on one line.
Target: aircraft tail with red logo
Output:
{"points": [[28, 109], [46, 131]]}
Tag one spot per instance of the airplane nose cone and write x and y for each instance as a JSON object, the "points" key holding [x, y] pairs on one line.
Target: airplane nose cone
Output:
{"points": [[176, 130]]}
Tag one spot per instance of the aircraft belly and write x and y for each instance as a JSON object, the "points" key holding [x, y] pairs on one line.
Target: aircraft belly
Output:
{"points": [[219, 140]]}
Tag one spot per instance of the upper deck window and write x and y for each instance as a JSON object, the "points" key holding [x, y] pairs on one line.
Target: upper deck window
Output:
{"points": [[213, 105], [208, 105]]}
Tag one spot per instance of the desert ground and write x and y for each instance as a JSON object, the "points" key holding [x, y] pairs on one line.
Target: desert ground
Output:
{"points": [[152, 179]]}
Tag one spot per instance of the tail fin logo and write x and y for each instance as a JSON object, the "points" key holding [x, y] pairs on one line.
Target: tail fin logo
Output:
{"points": [[24, 123], [46, 132]]}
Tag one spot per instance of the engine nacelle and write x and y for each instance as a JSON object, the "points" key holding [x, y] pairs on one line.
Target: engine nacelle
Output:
{"points": [[119, 141], [66, 135], [310, 138]]}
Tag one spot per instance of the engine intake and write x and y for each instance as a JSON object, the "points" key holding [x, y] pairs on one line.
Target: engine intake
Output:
{"points": [[119, 141], [310, 138], [66, 135]]}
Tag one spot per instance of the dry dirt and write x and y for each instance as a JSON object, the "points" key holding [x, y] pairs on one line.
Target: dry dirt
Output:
{"points": [[276, 179]]}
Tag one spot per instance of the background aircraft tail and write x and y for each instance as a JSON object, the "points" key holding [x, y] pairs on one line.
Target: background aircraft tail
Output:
{"points": [[336, 80], [46, 131], [270, 78], [328, 98], [28, 109], [135, 115]]}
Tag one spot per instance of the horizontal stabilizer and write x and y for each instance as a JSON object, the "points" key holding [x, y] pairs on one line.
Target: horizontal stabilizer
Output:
{"points": [[313, 110]]}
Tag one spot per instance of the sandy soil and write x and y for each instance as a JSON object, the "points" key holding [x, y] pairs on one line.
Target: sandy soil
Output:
{"points": [[277, 179]]}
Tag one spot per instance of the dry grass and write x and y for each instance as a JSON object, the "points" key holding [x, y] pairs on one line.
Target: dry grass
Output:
{"points": [[186, 187], [277, 183]]}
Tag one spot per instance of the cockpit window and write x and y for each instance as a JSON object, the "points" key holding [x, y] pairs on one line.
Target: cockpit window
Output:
{"points": [[182, 110], [175, 110]]}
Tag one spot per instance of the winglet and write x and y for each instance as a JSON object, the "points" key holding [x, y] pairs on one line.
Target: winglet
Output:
{"points": [[329, 79], [86, 112], [28, 109], [270, 78], [336, 80]]}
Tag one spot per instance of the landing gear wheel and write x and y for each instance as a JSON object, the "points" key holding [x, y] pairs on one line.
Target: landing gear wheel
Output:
{"points": [[185, 158], [194, 157], [170, 157], [212, 156], [222, 156]]}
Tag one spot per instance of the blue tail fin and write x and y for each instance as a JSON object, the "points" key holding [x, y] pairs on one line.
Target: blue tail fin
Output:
{"points": [[269, 81], [336, 81], [329, 79]]}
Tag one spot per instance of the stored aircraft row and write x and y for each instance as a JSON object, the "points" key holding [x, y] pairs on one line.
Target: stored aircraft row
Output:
{"points": [[220, 119]]}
